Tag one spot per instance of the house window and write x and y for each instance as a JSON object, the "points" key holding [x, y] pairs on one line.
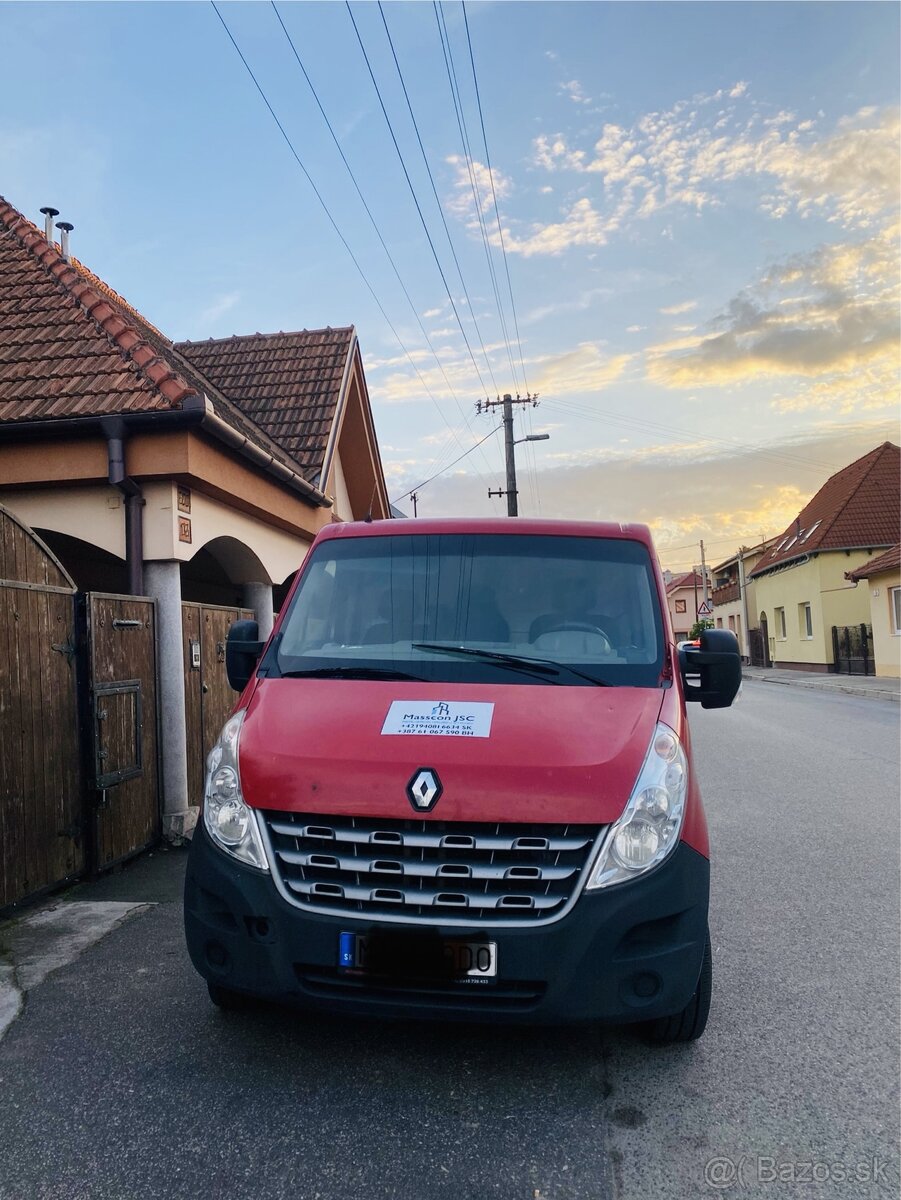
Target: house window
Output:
{"points": [[780, 624], [719, 622], [732, 623], [805, 622], [896, 610], [680, 606]]}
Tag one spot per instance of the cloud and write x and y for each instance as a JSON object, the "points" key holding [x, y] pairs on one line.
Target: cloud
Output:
{"points": [[830, 316], [579, 303], [585, 368], [582, 368], [673, 310], [218, 308], [574, 91], [462, 203], [432, 312], [685, 156], [583, 225], [686, 492]]}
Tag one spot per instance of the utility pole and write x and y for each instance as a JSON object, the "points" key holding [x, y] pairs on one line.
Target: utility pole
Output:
{"points": [[414, 497], [509, 443], [704, 571], [694, 578]]}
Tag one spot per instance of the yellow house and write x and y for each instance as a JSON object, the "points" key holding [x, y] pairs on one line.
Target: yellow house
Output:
{"points": [[883, 578], [806, 592]]}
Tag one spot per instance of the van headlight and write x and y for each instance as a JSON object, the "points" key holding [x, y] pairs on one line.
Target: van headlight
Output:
{"points": [[651, 822], [229, 821]]}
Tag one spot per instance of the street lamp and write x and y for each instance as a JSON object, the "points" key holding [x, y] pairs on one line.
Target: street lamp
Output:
{"points": [[533, 437]]}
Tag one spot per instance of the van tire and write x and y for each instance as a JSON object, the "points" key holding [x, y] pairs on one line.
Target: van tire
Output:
{"points": [[689, 1024], [226, 999]]}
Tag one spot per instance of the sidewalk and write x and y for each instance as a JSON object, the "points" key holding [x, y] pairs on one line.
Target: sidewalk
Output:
{"points": [[875, 687], [55, 932]]}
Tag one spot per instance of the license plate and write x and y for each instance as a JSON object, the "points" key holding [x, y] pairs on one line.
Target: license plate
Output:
{"points": [[417, 957]]}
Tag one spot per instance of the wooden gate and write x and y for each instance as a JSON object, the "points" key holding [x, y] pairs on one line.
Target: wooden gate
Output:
{"points": [[123, 769], [42, 833], [208, 697]]}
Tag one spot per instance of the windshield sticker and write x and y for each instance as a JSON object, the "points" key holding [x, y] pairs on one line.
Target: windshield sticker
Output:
{"points": [[442, 719]]}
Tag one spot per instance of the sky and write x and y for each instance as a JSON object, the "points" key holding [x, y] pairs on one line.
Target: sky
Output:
{"points": [[696, 207]]}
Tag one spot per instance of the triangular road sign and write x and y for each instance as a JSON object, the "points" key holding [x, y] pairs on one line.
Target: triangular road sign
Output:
{"points": [[705, 609]]}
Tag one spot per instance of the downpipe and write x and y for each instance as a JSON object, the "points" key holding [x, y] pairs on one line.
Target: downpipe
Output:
{"points": [[114, 431]]}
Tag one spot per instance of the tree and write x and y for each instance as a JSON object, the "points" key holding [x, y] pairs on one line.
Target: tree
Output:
{"points": [[699, 626]]}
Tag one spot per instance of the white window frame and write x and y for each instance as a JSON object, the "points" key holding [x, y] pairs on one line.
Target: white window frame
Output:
{"points": [[805, 621], [895, 610]]}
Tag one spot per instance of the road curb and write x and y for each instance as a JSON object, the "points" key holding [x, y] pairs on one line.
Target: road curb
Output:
{"points": [[843, 689]]}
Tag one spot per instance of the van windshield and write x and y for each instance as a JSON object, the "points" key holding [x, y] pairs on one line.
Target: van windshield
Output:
{"points": [[530, 609]]}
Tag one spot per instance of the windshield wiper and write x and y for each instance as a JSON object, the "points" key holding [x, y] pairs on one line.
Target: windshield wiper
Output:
{"points": [[516, 662], [351, 672]]}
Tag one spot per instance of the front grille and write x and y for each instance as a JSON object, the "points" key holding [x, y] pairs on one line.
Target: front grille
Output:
{"points": [[434, 871]]}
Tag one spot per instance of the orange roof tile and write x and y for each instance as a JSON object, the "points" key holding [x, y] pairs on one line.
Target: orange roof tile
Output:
{"points": [[66, 348], [890, 561], [288, 383], [859, 507], [72, 347]]}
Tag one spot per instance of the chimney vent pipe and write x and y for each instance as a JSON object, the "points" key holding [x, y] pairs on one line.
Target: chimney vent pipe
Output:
{"points": [[65, 229], [49, 214]]}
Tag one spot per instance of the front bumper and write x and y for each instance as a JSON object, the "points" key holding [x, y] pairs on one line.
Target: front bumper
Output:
{"points": [[628, 953]]}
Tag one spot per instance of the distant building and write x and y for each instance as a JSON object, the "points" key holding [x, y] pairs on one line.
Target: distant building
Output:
{"points": [[684, 595], [805, 585], [883, 579], [733, 595]]}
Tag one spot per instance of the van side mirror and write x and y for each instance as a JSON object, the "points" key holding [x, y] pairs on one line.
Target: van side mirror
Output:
{"points": [[242, 652], [718, 663]]}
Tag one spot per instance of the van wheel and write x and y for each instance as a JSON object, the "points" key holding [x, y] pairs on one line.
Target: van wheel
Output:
{"points": [[226, 999], [689, 1024]]}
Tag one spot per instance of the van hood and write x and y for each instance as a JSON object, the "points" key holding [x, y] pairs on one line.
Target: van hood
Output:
{"points": [[538, 754]]}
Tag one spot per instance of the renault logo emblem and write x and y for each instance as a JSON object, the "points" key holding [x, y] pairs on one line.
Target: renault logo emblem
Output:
{"points": [[424, 789]]}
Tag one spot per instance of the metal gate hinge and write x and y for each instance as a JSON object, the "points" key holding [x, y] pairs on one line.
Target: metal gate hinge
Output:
{"points": [[66, 648]]}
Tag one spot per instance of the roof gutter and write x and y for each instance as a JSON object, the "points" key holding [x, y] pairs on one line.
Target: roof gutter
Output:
{"points": [[197, 413], [214, 424]]}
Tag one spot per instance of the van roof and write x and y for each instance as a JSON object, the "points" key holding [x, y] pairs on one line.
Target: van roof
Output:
{"points": [[517, 526]]}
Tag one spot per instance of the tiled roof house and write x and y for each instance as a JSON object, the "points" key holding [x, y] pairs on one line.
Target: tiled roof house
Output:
{"points": [[882, 578], [805, 583], [196, 472], [683, 595]]}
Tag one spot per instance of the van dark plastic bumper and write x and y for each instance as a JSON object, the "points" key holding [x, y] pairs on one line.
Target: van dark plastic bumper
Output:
{"points": [[630, 953]]}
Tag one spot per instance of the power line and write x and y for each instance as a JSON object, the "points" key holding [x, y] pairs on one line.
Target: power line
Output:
{"points": [[415, 199], [460, 114], [419, 486], [457, 98], [331, 219], [367, 208], [494, 194], [428, 168]]}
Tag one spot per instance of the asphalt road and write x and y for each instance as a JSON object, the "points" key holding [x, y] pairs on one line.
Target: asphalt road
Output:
{"points": [[120, 1080]]}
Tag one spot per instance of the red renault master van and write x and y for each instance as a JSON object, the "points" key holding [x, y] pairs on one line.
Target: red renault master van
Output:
{"points": [[458, 783]]}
